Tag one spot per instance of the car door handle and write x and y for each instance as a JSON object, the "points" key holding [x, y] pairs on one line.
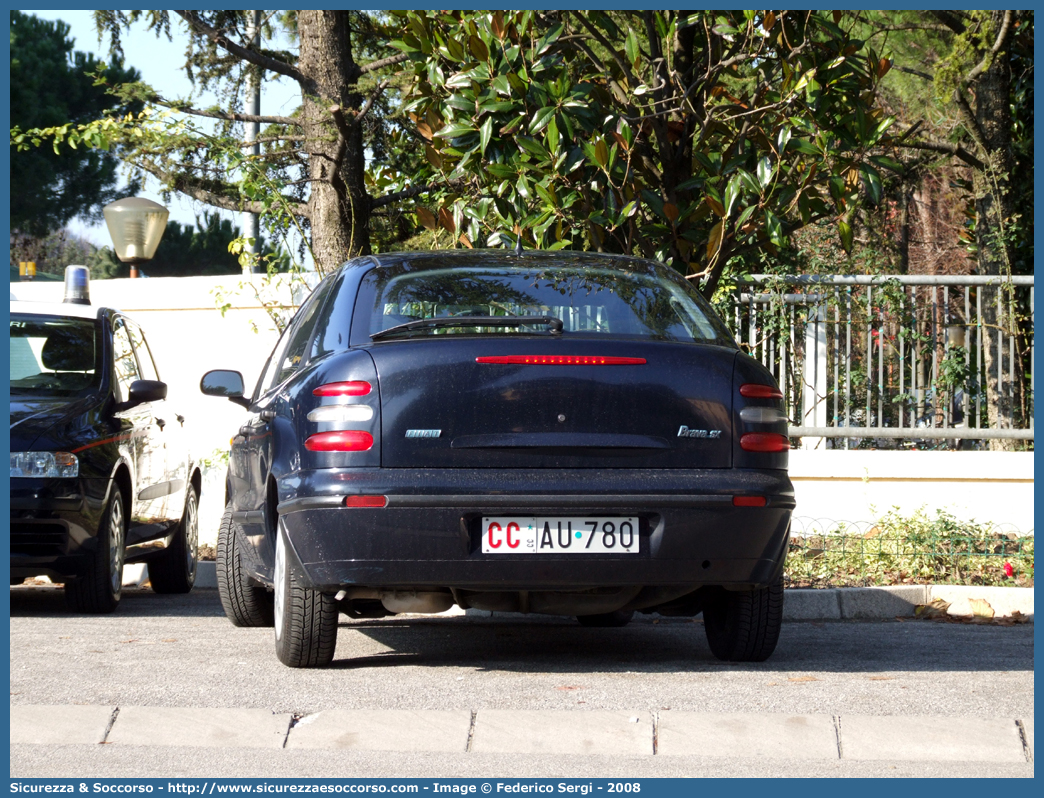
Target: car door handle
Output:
{"points": [[267, 414]]}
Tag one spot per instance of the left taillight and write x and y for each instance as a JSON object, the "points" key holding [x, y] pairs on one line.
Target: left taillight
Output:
{"points": [[764, 442], [348, 440], [753, 390]]}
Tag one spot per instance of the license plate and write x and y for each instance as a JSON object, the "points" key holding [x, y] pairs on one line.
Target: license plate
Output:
{"points": [[521, 535]]}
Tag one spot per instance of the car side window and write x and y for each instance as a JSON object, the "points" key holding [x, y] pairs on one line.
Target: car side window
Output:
{"points": [[289, 353], [294, 355], [141, 349], [271, 367], [125, 366], [332, 326]]}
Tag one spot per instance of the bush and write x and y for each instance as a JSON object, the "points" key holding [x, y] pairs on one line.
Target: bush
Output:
{"points": [[917, 549]]}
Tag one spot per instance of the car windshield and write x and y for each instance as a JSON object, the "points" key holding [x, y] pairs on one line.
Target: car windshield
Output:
{"points": [[53, 356], [589, 300]]}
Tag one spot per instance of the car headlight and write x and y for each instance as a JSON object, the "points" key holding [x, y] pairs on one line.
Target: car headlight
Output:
{"points": [[44, 464]]}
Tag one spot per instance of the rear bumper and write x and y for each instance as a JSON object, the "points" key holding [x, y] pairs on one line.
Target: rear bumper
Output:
{"points": [[428, 535]]}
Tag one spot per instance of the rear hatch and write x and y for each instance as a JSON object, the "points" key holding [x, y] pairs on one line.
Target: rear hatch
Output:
{"points": [[441, 408]]}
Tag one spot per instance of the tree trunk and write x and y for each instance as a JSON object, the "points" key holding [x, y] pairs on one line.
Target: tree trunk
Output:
{"points": [[993, 214], [338, 202]]}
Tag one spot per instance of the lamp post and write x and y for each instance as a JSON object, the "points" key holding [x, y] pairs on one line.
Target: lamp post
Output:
{"points": [[136, 226]]}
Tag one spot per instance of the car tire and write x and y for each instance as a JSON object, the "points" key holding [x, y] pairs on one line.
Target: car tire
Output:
{"points": [[244, 602], [174, 571], [99, 588], [305, 619], [744, 626], [606, 620]]}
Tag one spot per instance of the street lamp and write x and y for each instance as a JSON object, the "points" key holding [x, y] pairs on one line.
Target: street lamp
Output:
{"points": [[136, 226]]}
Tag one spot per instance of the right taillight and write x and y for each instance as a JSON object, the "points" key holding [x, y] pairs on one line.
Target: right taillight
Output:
{"points": [[764, 442], [348, 440], [753, 390], [351, 388]]}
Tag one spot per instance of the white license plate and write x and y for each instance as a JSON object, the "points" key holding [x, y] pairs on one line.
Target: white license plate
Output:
{"points": [[533, 535]]}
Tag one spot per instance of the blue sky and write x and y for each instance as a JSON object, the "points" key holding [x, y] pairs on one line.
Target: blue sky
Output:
{"points": [[159, 62]]}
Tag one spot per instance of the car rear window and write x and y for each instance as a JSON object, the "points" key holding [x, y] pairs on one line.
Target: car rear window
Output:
{"points": [[590, 301], [52, 356]]}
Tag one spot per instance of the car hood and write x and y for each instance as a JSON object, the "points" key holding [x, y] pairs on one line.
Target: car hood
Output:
{"points": [[33, 416]]}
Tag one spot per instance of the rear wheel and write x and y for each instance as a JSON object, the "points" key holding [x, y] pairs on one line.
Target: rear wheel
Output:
{"points": [[245, 603], [744, 626], [174, 571], [305, 620], [607, 619], [100, 587]]}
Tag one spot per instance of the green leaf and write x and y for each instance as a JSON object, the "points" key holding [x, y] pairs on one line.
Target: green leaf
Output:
{"points": [[765, 171], [872, 181], [837, 188], [844, 229], [601, 152], [749, 181], [533, 147], [887, 163], [743, 217], [803, 146], [774, 228], [732, 191], [549, 38], [455, 130], [552, 137], [631, 46], [654, 201], [485, 133], [541, 118], [782, 139]]}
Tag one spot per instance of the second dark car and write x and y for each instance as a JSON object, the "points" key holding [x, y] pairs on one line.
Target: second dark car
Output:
{"points": [[559, 433], [101, 474]]}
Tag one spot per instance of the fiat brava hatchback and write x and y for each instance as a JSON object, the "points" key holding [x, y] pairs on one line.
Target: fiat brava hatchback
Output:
{"points": [[562, 433]]}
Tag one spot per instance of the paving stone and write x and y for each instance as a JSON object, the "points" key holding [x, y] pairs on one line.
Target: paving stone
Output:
{"points": [[749, 734], [604, 733], [50, 725], [922, 738], [192, 726], [882, 602], [809, 604], [1003, 600], [384, 730]]}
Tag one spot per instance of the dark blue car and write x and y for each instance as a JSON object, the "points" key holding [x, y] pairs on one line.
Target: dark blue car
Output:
{"points": [[561, 433], [101, 473]]}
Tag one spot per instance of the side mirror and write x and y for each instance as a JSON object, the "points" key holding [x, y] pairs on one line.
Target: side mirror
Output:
{"points": [[142, 391], [227, 384]]}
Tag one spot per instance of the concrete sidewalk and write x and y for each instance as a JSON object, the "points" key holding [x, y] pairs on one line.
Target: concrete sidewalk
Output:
{"points": [[554, 732], [825, 604]]}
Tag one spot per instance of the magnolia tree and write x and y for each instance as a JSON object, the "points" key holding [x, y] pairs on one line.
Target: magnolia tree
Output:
{"points": [[689, 137]]}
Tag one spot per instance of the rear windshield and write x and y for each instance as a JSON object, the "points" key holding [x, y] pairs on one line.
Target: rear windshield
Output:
{"points": [[52, 356], [590, 301]]}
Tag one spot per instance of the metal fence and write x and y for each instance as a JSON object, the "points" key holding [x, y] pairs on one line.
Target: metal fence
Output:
{"points": [[923, 361]]}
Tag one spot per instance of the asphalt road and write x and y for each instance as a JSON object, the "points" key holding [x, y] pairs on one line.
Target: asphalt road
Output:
{"points": [[182, 652]]}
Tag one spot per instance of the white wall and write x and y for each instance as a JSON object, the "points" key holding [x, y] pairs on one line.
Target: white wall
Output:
{"points": [[860, 485], [189, 336]]}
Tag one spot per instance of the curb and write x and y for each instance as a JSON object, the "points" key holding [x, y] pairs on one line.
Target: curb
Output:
{"points": [[835, 603], [844, 603]]}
